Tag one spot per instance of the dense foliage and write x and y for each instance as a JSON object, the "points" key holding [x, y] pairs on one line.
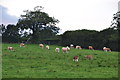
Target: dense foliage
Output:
{"points": [[10, 34], [40, 23], [107, 37]]}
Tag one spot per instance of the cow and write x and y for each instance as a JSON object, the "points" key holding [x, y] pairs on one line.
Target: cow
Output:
{"points": [[41, 45], [90, 57], [106, 49], [71, 46], [65, 50], [78, 47], [68, 48], [22, 45], [47, 47], [90, 47], [57, 50], [75, 58], [10, 48]]}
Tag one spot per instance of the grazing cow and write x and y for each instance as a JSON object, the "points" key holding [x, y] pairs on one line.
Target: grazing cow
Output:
{"points": [[57, 50], [75, 58], [106, 49], [47, 47], [10, 48], [68, 49], [90, 47], [71, 46], [22, 45], [89, 57], [78, 47], [41, 45], [65, 50]]}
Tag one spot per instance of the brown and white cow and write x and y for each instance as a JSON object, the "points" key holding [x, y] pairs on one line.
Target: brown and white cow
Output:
{"points": [[106, 49], [65, 50], [90, 57], [78, 47], [41, 45], [75, 58], [22, 45], [90, 47], [10, 48]]}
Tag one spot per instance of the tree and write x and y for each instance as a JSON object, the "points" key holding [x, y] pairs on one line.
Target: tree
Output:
{"points": [[38, 21], [2, 29], [116, 25], [10, 34], [116, 21]]}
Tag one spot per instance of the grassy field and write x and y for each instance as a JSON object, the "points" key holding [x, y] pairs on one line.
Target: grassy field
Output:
{"points": [[34, 62]]}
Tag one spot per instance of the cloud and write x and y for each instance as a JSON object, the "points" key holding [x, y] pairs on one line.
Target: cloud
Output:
{"points": [[6, 18]]}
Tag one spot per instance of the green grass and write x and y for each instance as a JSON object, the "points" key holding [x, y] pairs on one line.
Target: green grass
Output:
{"points": [[34, 62]]}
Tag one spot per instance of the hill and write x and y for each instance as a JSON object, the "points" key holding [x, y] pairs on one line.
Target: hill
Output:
{"points": [[33, 62]]}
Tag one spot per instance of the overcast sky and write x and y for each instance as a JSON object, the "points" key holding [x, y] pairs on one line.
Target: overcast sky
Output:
{"points": [[72, 14]]}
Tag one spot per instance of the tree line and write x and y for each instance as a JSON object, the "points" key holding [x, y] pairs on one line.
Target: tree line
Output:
{"points": [[38, 27], [97, 39]]}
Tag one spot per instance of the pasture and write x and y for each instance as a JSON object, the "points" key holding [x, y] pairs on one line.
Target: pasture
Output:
{"points": [[33, 62]]}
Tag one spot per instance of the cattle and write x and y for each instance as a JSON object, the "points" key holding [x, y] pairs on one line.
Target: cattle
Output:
{"points": [[10, 48], [41, 45], [22, 45], [71, 46], [57, 50], [47, 47], [90, 47], [68, 49], [90, 57], [78, 47], [75, 58], [65, 50], [106, 49]]}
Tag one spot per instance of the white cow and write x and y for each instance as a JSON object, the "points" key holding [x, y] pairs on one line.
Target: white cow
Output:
{"points": [[68, 48], [71, 46], [47, 47], [57, 50]]}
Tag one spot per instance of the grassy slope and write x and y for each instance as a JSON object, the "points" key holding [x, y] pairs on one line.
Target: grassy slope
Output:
{"points": [[34, 62]]}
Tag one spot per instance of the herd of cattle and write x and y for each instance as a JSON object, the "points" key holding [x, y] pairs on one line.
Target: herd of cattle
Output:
{"points": [[65, 50]]}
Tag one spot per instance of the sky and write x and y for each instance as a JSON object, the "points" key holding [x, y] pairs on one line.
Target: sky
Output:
{"points": [[72, 14]]}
